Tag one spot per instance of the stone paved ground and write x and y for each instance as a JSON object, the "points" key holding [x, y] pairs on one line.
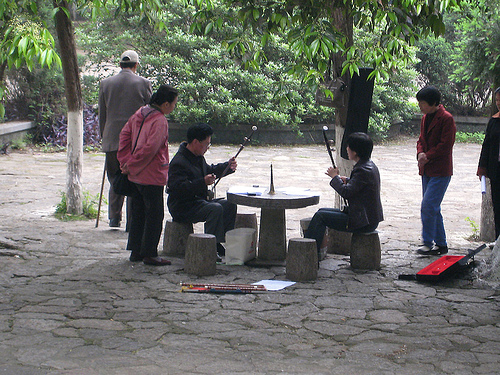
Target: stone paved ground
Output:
{"points": [[71, 303]]}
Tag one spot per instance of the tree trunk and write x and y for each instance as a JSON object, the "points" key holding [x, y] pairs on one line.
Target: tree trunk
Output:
{"points": [[344, 24], [65, 34], [487, 225]]}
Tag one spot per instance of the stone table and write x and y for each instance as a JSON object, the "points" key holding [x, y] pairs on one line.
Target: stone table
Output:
{"points": [[272, 233]]}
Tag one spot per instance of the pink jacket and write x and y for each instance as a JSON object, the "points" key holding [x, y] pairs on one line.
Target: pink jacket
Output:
{"points": [[148, 165]]}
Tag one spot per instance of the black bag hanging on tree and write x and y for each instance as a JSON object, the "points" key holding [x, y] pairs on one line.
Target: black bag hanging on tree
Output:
{"points": [[358, 110]]}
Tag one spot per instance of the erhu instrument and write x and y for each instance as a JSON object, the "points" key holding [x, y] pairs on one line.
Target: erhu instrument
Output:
{"points": [[211, 194], [328, 148]]}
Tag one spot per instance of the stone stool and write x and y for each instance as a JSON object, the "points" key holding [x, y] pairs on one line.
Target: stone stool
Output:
{"points": [[201, 254], [304, 224], [302, 260], [246, 220], [175, 238], [338, 242], [365, 251]]}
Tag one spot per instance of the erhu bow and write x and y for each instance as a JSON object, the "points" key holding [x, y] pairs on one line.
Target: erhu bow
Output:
{"points": [[328, 148], [211, 193], [327, 142]]}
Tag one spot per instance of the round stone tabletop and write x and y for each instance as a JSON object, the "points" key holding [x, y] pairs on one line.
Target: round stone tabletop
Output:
{"points": [[284, 198]]}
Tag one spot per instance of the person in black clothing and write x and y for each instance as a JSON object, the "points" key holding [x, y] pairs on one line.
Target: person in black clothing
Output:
{"points": [[489, 160], [362, 191], [189, 176]]}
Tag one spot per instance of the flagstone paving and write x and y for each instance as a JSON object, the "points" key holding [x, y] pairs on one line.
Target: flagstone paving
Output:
{"points": [[72, 303]]}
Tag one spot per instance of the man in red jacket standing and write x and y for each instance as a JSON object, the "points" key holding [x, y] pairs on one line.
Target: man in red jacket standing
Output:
{"points": [[435, 165]]}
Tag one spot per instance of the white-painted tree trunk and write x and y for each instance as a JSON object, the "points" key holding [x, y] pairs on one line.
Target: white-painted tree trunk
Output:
{"points": [[487, 225], [74, 163], [344, 166]]}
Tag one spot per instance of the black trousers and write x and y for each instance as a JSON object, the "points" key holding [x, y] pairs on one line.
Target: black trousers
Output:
{"points": [[219, 216], [495, 198], [115, 201], [146, 221]]}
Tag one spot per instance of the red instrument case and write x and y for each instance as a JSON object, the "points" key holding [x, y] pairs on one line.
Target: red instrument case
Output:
{"points": [[440, 268], [443, 267]]}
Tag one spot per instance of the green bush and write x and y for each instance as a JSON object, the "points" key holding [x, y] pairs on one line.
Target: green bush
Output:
{"points": [[90, 208], [464, 137]]}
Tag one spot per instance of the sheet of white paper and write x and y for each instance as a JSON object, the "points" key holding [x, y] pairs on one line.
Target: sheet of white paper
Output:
{"points": [[274, 284], [248, 190], [297, 191]]}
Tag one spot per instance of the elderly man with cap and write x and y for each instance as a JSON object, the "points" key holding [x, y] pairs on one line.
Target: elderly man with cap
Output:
{"points": [[119, 97]]}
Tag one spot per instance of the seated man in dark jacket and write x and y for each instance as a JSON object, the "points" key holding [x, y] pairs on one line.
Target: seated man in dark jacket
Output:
{"points": [[362, 191], [189, 176]]}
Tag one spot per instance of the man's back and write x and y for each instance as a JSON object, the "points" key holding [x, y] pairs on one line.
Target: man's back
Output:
{"points": [[119, 97]]}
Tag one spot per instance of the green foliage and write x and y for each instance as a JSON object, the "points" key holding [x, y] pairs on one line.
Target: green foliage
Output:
{"points": [[212, 87], [314, 32], [464, 137], [24, 41], [18, 144], [464, 64], [475, 236], [90, 203], [36, 95]]}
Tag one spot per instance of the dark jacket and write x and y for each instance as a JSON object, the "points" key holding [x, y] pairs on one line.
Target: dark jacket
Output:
{"points": [[186, 181], [488, 160], [437, 143], [362, 191]]}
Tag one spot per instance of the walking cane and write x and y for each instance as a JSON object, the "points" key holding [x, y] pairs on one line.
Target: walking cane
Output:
{"points": [[100, 196]]}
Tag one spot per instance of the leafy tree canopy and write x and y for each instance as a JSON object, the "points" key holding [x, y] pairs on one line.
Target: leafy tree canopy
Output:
{"points": [[311, 29]]}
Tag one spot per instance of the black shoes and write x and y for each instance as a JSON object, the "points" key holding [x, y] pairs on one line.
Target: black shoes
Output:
{"points": [[150, 261], [221, 250], [435, 250], [114, 223], [156, 261]]}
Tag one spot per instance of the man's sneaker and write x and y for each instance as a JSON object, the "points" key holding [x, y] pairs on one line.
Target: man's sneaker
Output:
{"points": [[438, 249], [435, 250], [424, 250]]}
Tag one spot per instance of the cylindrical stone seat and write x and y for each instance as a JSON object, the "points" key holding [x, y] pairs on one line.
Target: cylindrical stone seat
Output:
{"points": [[365, 251], [302, 260], [246, 220], [201, 254], [338, 242], [175, 238], [304, 224]]}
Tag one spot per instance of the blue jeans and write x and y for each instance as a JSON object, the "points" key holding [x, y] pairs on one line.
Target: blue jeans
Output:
{"points": [[433, 190]]}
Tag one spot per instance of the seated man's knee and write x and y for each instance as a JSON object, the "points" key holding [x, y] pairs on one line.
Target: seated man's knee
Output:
{"points": [[215, 209]]}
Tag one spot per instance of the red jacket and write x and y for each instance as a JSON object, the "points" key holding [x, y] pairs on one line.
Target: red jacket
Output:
{"points": [[437, 144], [148, 165]]}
